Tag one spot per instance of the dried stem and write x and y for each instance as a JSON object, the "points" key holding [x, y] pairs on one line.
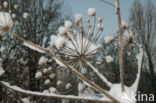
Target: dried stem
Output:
{"points": [[68, 67], [121, 46]]}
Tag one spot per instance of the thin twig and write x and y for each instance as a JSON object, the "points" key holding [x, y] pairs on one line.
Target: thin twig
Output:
{"points": [[107, 2]]}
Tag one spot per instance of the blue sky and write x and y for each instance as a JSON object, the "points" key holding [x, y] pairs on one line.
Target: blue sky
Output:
{"points": [[103, 10]]}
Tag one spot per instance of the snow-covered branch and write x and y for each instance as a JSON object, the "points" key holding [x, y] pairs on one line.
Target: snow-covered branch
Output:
{"points": [[95, 70], [50, 95]]}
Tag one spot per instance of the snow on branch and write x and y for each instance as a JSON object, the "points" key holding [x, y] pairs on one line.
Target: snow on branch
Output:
{"points": [[95, 70], [139, 57], [33, 48], [50, 95]]}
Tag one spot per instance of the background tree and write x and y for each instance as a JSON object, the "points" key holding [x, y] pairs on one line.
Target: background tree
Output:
{"points": [[143, 21]]}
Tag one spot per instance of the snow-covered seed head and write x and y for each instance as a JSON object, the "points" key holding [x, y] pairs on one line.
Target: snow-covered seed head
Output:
{"points": [[109, 59], [68, 85], [52, 75], [68, 24], [50, 69], [6, 22], [15, 6], [52, 40], [2, 49], [100, 19], [52, 90], [38, 75], [78, 18], [128, 37], [59, 83], [60, 42], [45, 70], [88, 20], [108, 39], [25, 15], [62, 30], [13, 16], [124, 25], [91, 12], [42, 61], [5, 4], [47, 82]]}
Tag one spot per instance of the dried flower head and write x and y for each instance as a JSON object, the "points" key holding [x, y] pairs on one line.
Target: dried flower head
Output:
{"points": [[6, 22]]}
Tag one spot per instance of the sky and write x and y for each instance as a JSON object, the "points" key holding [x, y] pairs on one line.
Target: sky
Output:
{"points": [[103, 10]]}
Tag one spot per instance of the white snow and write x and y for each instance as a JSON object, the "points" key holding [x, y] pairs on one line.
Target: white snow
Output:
{"points": [[91, 12], [26, 100], [81, 87], [15, 6], [124, 24], [68, 24], [46, 91], [123, 97], [139, 57], [52, 90], [78, 18], [47, 82], [104, 79], [1, 71], [109, 59], [59, 63], [13, 16], [52, 75], [59, 83], [68, 85], [45, 71], [83, 70], [42, 61], [60, 42], [38, 75], [32, 47], [2, 49], [52, 40], [108, 39], [50, 69], [25, 15], [5, 4], [62, 30], [5, 21]]}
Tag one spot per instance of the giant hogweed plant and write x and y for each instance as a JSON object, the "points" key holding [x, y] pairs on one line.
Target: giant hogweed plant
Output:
{"points": [[72, 48]]}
